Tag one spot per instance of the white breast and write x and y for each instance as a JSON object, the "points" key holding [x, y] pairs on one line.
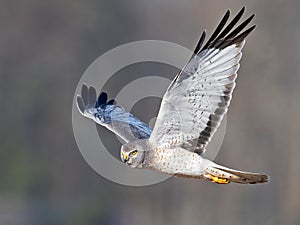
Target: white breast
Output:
{"points": [[177, 161]]}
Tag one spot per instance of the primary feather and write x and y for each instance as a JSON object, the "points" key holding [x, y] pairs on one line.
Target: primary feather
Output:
{"points": [[108, 114], [199, 96]]}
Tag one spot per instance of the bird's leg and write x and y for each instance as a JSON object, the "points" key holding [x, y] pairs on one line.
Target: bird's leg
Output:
{"points": [[217, 180], [214, 176]]}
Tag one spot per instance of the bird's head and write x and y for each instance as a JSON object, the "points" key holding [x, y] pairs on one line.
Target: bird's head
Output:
{"points": [[134, 153]]}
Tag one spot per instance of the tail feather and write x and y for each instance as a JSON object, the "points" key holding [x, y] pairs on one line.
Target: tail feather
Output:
{"points": [[223, 175]]}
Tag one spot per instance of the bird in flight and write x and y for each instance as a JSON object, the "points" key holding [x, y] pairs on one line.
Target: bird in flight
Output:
{"points": [[191, 110]]}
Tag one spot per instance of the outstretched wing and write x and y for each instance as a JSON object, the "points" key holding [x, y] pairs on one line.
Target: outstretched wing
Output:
{"points": [[108, 114], [198, 98]]}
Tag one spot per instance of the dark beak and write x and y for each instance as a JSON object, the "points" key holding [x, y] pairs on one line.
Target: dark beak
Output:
{"points": [[124, 157]]}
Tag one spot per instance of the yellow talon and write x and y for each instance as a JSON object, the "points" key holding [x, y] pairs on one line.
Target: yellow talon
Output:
{"points": [[218, 180]]}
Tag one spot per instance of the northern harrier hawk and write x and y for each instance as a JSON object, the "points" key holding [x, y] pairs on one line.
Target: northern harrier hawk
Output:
{"points": [[191, 111]]}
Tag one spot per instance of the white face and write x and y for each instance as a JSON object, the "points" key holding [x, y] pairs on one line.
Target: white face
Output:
{"points": [[132, 155]]}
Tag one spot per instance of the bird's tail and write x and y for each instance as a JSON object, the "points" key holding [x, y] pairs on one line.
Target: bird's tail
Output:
{"points": [[222, 175]]}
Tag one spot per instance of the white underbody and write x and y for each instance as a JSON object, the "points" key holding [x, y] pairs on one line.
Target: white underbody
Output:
{"points": [[179, 161]]}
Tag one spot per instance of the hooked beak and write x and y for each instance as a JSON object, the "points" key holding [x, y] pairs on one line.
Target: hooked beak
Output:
{"points": [[124, 157]]}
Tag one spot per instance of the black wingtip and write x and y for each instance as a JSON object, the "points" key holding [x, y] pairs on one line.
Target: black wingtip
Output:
{"points": [[200, 42], [230, 25], [218, 29], [102, 99], [243, 35], [222, 39], [89, 99], [237, 30], [227, 14]]}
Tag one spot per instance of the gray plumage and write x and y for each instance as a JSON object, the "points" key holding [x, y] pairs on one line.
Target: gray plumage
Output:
{"points": [[108, 114], [191, 110]]}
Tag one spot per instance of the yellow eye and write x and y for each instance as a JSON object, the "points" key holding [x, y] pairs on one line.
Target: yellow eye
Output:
{"points": [[134, 152]]}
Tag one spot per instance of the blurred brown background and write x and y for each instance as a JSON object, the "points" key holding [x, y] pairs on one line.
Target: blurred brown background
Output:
{"points": [[45, 47]]}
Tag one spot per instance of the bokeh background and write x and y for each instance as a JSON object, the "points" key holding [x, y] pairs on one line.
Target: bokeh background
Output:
{"points": [[45, 47]]}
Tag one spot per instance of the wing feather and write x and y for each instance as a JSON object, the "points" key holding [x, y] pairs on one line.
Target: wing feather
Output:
{"points": [[108, 114], [198, 97]]}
